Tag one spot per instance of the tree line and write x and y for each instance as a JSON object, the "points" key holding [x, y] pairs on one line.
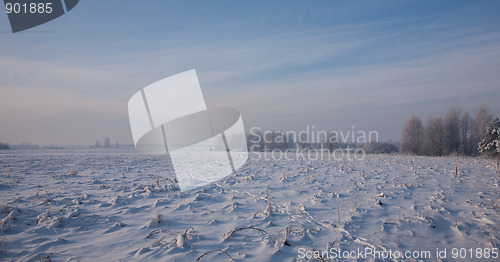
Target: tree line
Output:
{"points": [[320, 140], [457, 132], [3, 146], [105, 144]]}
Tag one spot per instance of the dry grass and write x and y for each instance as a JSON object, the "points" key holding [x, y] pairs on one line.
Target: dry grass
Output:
{"points": [[213, 250], [231, 233], [154, 232], [188, 234], [282, 242], [3, 245]]}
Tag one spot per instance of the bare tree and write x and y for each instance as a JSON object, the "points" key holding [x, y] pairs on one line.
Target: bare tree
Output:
{"points": [[255, 140], [97, 144], [290, 140], [433, 144], [330, 141], [280, 139], [465, 126], [452, 130], [302, 142], [4, 146], [107, 143], [271, 139], [412, 136], [465, 123]]}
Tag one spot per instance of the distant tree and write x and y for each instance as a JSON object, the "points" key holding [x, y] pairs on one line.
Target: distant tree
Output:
{"points": [[452, 130], [412, 136], [374, 147], [290, 140], [27, 146], [465, 124], [331, 141], [4, 146], [255, 141], [490, 145], [269, 140], [275, 139], [479, 124], [302, 141], [97, 144], [280, 140], [433, 143], [107, 143], [117, 145]]}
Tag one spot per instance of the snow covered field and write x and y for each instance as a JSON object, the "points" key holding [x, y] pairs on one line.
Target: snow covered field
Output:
{"points": [[121, 206]]}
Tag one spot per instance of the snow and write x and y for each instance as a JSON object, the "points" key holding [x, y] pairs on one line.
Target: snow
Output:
{"points": [[118, 205]]}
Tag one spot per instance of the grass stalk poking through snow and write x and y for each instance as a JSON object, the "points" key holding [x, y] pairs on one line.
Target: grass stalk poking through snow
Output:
{"points": [[213, 250], [228, 235], [3, 244], [283, 242], [180, 240]]}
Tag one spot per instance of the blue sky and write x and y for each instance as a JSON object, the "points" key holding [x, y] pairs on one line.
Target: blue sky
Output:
{"points": [[283, 64]]}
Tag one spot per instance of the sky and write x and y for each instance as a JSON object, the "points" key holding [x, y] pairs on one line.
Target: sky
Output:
{"points": [[283, 64]]}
